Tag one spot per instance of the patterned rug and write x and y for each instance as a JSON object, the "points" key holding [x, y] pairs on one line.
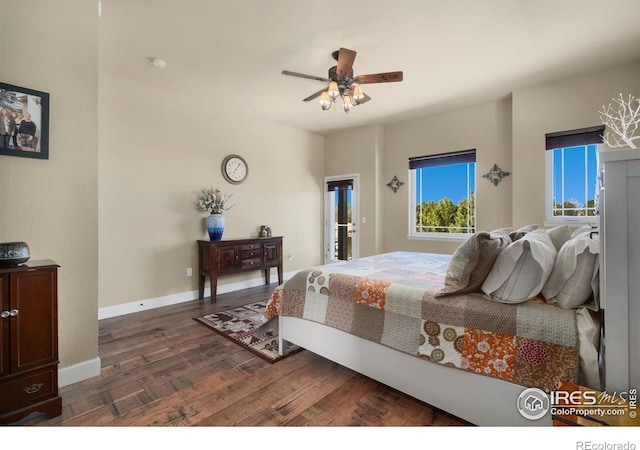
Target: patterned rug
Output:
{"points": [[239, 325]]}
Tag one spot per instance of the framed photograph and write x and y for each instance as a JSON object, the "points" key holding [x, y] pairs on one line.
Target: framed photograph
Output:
{"points": [[24, 122]]}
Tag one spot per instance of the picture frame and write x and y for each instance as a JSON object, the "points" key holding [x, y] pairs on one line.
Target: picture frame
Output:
{"points": [[27, 110]]}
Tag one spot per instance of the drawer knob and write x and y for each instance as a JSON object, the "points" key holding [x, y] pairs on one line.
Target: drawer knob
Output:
{"points": [[35, 387], [13, 313], [5, 314]]}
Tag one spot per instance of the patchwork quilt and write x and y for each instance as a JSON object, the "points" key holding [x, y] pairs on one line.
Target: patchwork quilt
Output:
{"points": [[389, 299]]}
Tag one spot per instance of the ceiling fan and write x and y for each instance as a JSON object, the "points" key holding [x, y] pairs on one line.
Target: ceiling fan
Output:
{"points": [[343, 84]]}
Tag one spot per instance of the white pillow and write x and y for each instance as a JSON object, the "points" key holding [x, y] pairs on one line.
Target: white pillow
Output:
{"points": [[517, 234], [574, 274], [522, 269], [559, 235], [581, 230]]}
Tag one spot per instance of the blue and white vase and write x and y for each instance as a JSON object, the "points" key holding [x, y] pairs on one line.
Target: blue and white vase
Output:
{"points": [[215, 226]]}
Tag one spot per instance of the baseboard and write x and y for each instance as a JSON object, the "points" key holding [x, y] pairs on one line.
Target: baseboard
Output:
{"points": [[151, 303], [91, 368], [158, 302], [78, 372]]}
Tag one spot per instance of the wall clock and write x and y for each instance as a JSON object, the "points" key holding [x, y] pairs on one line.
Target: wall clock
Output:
{"points": [[235, 169]]}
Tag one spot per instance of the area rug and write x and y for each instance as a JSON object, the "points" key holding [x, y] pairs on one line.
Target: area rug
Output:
{"points": [[240, 325]]}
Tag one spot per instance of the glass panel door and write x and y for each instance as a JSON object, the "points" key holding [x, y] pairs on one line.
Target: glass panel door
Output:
{"points": [[339, 221]]}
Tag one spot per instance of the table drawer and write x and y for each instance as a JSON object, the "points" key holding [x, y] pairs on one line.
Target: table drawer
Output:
{"points": [[28, 389], [252, 246], [251, 254], [248, 263]]}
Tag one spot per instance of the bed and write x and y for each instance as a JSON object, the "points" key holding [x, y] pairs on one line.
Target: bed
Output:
{"points": [[389, 318]]}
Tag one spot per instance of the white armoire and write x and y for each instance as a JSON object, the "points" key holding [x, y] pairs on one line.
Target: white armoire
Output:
{"points": [[620, 267]]}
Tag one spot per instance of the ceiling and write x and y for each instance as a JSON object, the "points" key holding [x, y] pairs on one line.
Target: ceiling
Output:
{"points": [[454, 53]]}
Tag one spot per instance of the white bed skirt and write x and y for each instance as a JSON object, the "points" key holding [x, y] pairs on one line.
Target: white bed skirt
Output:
{"points": [[478, 399]]}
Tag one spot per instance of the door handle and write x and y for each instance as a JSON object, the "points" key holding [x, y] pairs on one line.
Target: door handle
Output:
{"points": [[5, 314], [13, 312]]}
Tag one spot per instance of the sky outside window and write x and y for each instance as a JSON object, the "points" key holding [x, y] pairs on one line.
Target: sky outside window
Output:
{"points": [[577, 171], [450, 181]]}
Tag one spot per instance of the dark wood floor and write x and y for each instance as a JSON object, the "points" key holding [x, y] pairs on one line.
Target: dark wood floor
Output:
{"points": [[160, 367]]}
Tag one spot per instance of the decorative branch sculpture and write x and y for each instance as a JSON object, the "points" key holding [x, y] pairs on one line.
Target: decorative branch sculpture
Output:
{"points": [[622, 121]]}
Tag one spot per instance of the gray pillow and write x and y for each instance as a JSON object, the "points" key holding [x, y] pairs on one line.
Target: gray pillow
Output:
{"points": [[472, 262]]}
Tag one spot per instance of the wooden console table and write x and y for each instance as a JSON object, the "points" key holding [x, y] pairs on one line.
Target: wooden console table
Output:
{"points": [[230, 256]]}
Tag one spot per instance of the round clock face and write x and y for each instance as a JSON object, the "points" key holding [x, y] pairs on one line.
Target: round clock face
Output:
{"points": [[234, 169]]}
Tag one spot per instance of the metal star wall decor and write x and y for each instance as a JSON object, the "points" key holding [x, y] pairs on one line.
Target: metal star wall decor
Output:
{"points": [[395, 184], [495, 175]]}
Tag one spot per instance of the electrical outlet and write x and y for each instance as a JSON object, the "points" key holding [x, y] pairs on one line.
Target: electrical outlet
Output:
{"points": [[189, 272], [290, 257]]}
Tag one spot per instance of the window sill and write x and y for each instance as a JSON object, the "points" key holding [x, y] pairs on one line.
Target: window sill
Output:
{"points": [[444, 237], [592, 220]]}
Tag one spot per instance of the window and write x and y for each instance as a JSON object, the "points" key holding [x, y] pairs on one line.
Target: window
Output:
{"points": [[442, 195], [572, 166]]}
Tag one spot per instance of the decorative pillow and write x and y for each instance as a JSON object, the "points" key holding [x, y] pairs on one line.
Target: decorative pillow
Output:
{"points": [[575, 273], [522, 269], [559, 235], [520, 232], [472, 261]]}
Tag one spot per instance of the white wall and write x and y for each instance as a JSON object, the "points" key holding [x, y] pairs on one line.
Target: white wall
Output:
{"points": [[565, 105], [53, 204], [157, 150], [485, 128], [360, 151], [383, 152]]}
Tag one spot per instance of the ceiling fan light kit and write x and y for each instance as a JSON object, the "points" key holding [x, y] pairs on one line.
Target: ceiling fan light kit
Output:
{"points": [[342, 84]]}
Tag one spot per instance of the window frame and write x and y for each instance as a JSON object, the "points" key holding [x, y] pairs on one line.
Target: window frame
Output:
{"points": [[566, 139], [412, 234]]}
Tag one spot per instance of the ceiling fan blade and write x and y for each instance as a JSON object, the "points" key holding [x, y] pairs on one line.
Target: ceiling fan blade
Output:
{"points": [[345, 63], [387, 77], [301, 75], [316, 95]]}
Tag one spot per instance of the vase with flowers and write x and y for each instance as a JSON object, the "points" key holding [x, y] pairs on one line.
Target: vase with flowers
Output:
{"points": [[215, 202]]}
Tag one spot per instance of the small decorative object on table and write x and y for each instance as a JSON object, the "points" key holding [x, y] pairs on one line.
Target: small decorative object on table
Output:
{"points": [[13, 253], [215, 202], [265, 231]]}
